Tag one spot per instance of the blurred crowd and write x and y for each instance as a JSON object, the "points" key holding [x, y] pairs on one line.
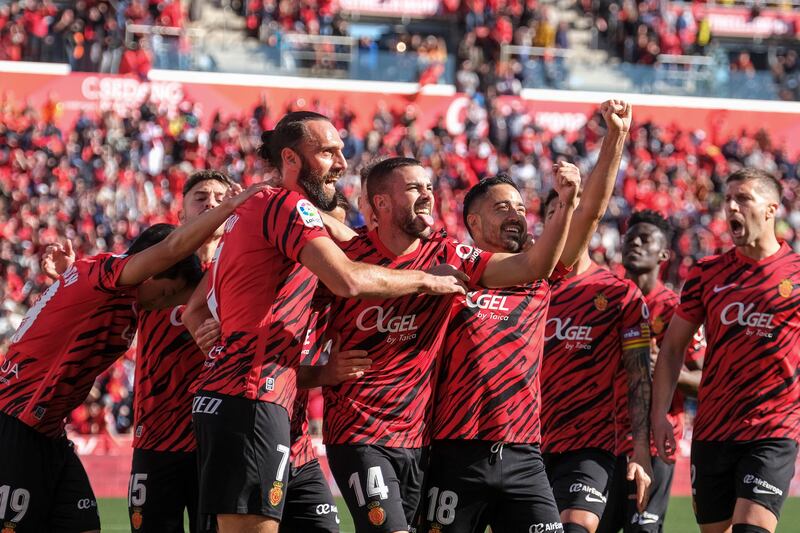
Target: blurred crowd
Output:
{"points": [[100, 182], [90, 35]]}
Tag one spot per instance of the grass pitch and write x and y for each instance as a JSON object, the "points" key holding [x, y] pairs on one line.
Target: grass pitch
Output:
{"points": [[680, 519]]}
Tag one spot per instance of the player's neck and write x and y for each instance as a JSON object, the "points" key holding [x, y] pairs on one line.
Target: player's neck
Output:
{"points": [[646, 281], [583, 264], [206, 251], [760, 248], [399, 243]]}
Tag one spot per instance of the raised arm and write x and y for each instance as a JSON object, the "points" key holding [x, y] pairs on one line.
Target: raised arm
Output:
{"points": [[600, 184], [184, 241], [668, 369], [350, 279], [539, 261]]}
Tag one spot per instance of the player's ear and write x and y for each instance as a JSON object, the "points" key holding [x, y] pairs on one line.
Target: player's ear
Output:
{"points": [[772, 210], [291, 159], [663, 255], [380, 201], [473, 220]]}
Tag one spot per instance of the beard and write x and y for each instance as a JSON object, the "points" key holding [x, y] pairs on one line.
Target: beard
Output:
{"points": [[412, 225], [513, 243], [313, 183]]}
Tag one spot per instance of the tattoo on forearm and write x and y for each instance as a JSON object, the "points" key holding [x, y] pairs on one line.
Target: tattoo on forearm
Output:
{"points": [[637, 366]]}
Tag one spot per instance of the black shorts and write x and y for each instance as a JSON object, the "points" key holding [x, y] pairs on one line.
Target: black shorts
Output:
{"points": [[243, 449], [621, 512], [757, 470], [47, 486], [581, 478], [161, 486], [310, 507], [472, 484], [382, 486]]}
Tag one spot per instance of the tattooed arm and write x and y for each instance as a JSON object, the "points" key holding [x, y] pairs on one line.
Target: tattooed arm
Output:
{"points": [[636, 360]]}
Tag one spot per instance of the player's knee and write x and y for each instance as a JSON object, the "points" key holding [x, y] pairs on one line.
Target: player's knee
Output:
{"points": [[586, 521], [749, 528], [570, 527]]}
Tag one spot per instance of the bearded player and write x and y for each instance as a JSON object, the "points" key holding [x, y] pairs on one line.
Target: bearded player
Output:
{"points": [[747, 426], [486, 465], [375, 426], [645, 248], [273, 251], [597, 324]]}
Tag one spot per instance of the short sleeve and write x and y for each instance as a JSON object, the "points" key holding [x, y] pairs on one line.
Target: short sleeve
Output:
{"points": [[469, 259], [635, 320], [691, 307], [559, 272], [104, 273], [290, 222]]}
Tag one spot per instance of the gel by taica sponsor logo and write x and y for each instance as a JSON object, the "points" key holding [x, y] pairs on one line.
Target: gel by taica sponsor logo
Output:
{"points": [[761, 487], [743, 315], [563, 331], [206, 405], [489, 302], [375, 318], [545, 527]]}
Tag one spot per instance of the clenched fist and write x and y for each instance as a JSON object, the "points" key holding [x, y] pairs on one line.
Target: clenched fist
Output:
{"points": [[618, 115], [567, 182]]}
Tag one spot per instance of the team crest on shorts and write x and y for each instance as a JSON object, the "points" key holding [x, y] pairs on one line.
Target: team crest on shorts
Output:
{"points": [[276, 493], [601, 302], [785, 288], [435, 528], [9, 527], [658, 325], [376, 514], [136, 518]]}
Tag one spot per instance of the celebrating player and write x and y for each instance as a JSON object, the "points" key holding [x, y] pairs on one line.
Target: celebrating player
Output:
{"points": [[272, 252], [375, 427], [596, 323], [163, 478], [745, 434], [645, 248], [76, 329], [486, 466]]}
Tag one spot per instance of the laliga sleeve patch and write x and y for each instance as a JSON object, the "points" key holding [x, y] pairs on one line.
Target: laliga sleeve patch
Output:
{"points": [[309, 214]]}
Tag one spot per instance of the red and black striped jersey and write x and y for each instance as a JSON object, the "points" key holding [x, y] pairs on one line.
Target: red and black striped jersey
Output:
{"points": [[302, 449], [661, 302], [391, 405], [488, 385], [261, 296], [76, 329], [751, 312], [168, 361], [593, 317]]}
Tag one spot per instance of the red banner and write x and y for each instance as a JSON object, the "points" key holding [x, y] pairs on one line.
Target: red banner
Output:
{"points": [[236, 95]]}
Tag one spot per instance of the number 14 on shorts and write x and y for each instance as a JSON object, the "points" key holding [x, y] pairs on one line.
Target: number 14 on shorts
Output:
{"points": [[375, 485]]}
